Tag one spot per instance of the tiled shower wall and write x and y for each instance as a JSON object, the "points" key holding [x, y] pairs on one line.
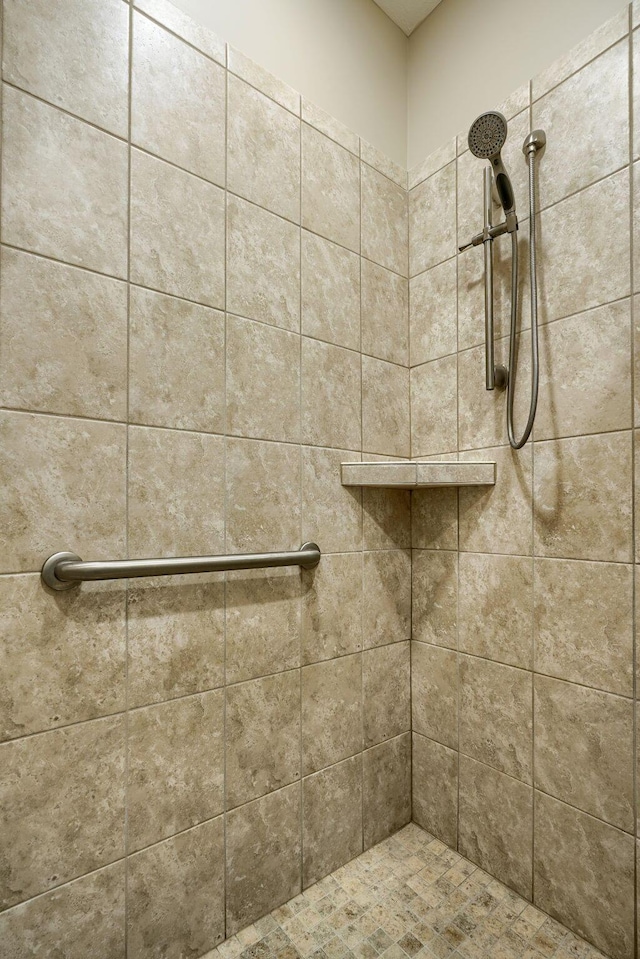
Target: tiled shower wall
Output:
{"points": [[204, 311], [523, 595]]}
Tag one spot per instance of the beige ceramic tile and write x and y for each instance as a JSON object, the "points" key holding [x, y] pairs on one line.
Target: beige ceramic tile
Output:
{"points": [[64, 186], [386, 687], [331, 712], [433, 313], [482, 416], [386, 518], [177, 101], [431, 164], [385, 318], [79, 773], [330, 189], [432, 220], [385, 407], [166, 13], [496, 607], [434, 519], [175, 637], [263, 736], [434, 596], [176, 894], [583, 498], [262, 856], [263, 265], [70, 649], [434, 693], [64, 338], [387, 588], [386, 788], [584, 875], [435, 789], [262, 80], [177, 232], [175, 494], [584, 749], [332, 607], [383, 164], [168, 339], [71, 493], [331, 395], [583, 623], [330, 292], [175, 767], [41, 42], [496, 716], [263, 151], [496, 822], [434, 427], [384, 221], [330, 512], [498, 518], [263, 381], [325, 123], [331, 819], [263, 623]]}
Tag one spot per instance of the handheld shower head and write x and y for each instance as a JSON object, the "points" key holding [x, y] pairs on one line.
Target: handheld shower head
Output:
{"points": [[487, 136]]}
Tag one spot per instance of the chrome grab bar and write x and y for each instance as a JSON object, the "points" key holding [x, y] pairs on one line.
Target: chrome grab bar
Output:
{"points": [[66, 570]]}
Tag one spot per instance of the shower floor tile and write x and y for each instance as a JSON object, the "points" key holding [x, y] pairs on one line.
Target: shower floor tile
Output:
{"points": [[409, 897]]}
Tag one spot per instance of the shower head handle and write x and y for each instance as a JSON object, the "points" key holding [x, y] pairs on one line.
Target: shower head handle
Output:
{"points": [[487, 136]]}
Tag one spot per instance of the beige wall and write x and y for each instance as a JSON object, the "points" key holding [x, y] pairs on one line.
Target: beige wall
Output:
{"points": [[469, 56], [345, 55]]}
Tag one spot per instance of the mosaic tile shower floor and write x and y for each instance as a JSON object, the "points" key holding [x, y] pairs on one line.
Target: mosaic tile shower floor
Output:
{"points": [[409, 897]]}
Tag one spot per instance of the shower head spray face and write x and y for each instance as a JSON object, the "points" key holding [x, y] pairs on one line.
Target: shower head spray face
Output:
{"points": [[487, 136]]}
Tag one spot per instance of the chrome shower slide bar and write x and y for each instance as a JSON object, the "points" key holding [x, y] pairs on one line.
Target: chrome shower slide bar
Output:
{"points": [[66, 570]]}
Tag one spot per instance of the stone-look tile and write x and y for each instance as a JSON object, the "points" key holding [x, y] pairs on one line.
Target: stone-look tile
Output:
{"points": [[586, 120], [468, 202], [569, 233], [168, 339], [263, 856], [432, 220], [177, 101], [498, 518], [384, 221], [385, 407], [386, 788], [175, 637], [387, 587], [331, 819], [433, 316], [332, 607], [263, 265], [381, 162], [331, 712], [70, 649], [496, 721], [325, 123], [330, 189], [434, 519], [263, 381], [386, 517], [435, 789], [177, 231], [63, 799], [584, 875], [64, 338], [330, 292], [496, 822], [41, 43], [263, 623], [331, 395], [495, 614], [263, 81], [71, 491], [330, 512], [64, 186], [176, 895], [434, 427], [482, 418], [431, 164], [577, 395], [263, 736], [515, 102], [584, 623], [263, 151], [434, 597], [263, 496], [176, 493], [386, 683], [83, 918], [582, 496], [385, 317], [584, 749], [176, 767], [164, 12], [434, 693]]}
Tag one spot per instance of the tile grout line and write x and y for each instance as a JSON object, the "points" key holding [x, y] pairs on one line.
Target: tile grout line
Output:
{"points": [[533, 608], [225, 797], [301, 494]]}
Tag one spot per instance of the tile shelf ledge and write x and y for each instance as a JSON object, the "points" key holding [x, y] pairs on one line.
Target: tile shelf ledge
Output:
{"points": [[413, 474]]}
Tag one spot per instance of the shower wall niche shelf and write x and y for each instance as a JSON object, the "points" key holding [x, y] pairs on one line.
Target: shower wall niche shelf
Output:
{"points": [[409, 474]]}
